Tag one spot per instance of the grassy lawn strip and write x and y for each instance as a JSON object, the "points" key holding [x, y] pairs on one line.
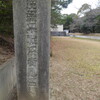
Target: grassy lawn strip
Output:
{"points": [[86, 39], [90, 34]]}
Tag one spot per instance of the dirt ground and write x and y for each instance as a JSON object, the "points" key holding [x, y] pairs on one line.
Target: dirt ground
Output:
{"points": [[75, 69], [6, 51]]}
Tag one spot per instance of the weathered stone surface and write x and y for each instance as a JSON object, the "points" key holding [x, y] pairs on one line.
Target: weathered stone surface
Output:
{"points": [[7, 79], [32, 33]]}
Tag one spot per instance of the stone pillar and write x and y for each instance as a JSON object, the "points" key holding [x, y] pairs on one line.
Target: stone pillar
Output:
{"points": [[32, 38]]}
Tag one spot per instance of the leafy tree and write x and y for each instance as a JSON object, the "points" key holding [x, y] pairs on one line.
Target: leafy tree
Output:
{"points": [[89, 23], [97, 18], [98, 5], [6, 16], [76, 24], [6, 19], [90, 19], [85, 8], [67, 20], [56, 7]]}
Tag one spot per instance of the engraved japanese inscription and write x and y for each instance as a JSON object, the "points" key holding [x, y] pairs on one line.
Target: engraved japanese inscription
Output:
{"points": [[32, 47]]}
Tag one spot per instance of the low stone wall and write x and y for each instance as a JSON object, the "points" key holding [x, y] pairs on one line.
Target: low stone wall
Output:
{"points": [[55, 33], [7, 79]]}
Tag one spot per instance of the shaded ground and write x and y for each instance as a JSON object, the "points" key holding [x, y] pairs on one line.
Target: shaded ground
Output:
{"points": [[6, 50], [75, 69]]}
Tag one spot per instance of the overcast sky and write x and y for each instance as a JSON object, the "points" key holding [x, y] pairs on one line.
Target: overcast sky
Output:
{"points": [[76, 4]]}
